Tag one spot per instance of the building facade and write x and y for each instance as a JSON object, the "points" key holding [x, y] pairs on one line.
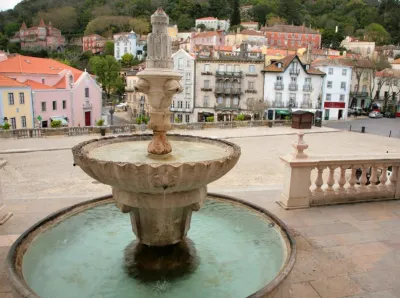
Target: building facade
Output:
{"points": [[38, 38], [125, 43], [364, 48], [249, 25], [226, 85], [137, 102], [336, 87], [292, 36], [94, 43], [251, 37], [58, 90], [386, 91], [183, 103], [290, 85], [206, 40], [213, 23], [15, 104]]}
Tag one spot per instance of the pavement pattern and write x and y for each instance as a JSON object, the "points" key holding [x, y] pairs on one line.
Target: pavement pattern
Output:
{"points": [[343, 251]]}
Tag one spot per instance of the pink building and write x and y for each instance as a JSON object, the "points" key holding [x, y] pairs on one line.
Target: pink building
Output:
{"points": [[42, 37], [58, 90], [207, 39], [94, 43]]}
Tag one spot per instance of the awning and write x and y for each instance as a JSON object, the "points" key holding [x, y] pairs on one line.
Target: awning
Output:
{"points": [[307, 110], [282, 112], [60, 118]]}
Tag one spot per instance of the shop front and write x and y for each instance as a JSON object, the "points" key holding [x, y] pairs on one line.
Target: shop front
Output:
{"points": [[334, 111]]}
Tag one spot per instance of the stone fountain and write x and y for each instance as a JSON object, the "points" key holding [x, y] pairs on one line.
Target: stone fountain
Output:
{"points": [[159, 180]]}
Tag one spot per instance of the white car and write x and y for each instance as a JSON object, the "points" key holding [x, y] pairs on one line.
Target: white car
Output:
{"points": [[375, 114], [121, 105]]}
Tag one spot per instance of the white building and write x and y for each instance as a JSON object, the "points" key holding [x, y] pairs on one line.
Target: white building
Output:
{"points": [[214, 23], [290, 85], [336, 88], [125, 43], [183, 103], [364, 48]]}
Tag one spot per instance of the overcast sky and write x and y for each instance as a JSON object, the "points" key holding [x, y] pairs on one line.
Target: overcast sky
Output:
{"points": [[8, 4]]}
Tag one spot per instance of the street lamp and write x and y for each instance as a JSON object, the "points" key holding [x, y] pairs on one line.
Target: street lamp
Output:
{"points": [[141, 106]]}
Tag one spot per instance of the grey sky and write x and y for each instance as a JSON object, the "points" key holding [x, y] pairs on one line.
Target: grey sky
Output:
{"points": [[8, 4]]}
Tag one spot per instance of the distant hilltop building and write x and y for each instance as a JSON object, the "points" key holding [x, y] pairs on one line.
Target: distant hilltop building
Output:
{"points": [[38, 38], [127, 43], [292, 36], [213, 23], [94, 43], [364, 48]]}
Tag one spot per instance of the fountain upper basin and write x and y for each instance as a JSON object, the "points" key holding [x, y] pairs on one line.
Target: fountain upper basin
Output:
{"points": [[123, 162]]}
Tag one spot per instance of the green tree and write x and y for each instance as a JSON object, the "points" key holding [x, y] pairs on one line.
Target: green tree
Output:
{"points": [[3, 42], [127, 60], [185, 22], [140, 25], [63, 18], [107, 71], [377, 33], [290, 10], [10, 29], [109, 48], [235, 17], [331, 39]]}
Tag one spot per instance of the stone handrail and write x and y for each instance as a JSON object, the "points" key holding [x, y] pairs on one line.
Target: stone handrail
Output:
{"points": [[129, 128], [323, 180]]}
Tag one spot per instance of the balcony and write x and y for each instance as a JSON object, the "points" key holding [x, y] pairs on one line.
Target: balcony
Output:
{"points": [[224, 107], [278, 104], [306, 105], [293, 87], [279, 86], [358, 94], [206, 89], [230, 74], [250, 91], [206, 73], [251, 74], [307, 88], [219, 90], [235, 91], [294, 71]]}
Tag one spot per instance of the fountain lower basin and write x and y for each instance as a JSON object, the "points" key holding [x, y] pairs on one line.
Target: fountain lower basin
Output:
{"points": [[244, 251]]}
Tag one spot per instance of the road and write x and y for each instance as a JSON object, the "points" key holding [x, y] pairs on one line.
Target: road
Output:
{"points": [[382, 127], [120, 118]]}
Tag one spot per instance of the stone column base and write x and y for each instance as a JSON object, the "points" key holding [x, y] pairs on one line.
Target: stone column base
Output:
{"points": [[160, 219]]}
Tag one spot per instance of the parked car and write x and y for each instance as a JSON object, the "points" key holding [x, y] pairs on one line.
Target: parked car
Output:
{"points": [[351, 111], [389, 115], [375, 115]]}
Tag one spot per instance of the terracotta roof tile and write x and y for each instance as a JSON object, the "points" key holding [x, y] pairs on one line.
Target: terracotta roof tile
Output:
{"points": [[289, 29], [251, 32], [62, 84], [34, 65], [286, 62], [36, 86], [207, 19], [206, 34], [7, 82], [224, 48]]}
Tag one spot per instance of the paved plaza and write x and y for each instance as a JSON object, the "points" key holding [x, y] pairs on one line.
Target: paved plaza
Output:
{"points": [[343, 251]]}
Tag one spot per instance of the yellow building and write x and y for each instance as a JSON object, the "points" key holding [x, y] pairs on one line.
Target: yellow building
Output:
{"points": [[173, 32], [15, 104]]}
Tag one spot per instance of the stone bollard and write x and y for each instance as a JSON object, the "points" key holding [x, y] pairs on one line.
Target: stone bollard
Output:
{"points": [[296, 183], [4, 216]]}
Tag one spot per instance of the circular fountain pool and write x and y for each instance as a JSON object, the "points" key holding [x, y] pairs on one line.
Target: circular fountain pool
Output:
{"points": [[78, 252]]}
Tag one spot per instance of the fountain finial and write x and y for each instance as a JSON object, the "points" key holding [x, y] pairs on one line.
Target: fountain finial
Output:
{"points": [[300, 146]]}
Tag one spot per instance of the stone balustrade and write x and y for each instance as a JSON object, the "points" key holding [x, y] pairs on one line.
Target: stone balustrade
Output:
{"points": [[323, 180], [129, 128]]}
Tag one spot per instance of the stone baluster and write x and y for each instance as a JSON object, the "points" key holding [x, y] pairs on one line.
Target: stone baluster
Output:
{"points": [[319, 182], [353, 179], [393, 176], [374, 177], [363, 178], [394, 179], [383, 178], [331, 178], [342, 179]]}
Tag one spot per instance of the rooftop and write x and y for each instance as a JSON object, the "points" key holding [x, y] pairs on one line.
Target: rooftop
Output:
{"points": [[37, 86], [285, 62], [290, 29], [7, 82], [206, 34], [207, 19], [251, 32]]}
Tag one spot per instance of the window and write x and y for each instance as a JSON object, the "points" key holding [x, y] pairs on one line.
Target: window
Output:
{"points": [[54, 105], [229, 68], [187, 104], [87, 92], [206, 67], [343, 85], [251, 85], [307, 81], [279, 79], [21, 98], [329, 84], [227, 102], [220, 100], [278, 96], [180, 118], [293, 80], [328, 96], [187, 76], [188, 63], [187, 90], [252, 68], [344, 72], [180, 104], [43, 106], [10, 99], [237, 68], [206, 84], [205, 101], [23, 121], [235, 101], [342, 97], [43, 81], [13, 123], [187, 118], [172, 104], [330, 71], [292, 97], [64, 104], [180, 63], [221, 67]]}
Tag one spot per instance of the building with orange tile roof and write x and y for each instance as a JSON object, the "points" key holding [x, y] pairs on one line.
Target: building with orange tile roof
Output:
{"points": [[15, 103], [251, 37], [58, 90], [290, 85], [206, 40], [38, 38], [250, 25], [94, 43]]}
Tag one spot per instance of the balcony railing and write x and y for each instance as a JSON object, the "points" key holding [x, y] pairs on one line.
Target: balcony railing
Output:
{"points": [[278, 104], [306, 105], [339, 179], [232, 74], [293, 87], [250, 91], [251, 74], [225, 107], [236, 91], [294, 71], [279, 86], [359, 94], [206, 89], [219, 90], [206, 73], [307, 88]]}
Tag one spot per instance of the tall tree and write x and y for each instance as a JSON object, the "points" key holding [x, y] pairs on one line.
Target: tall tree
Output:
{"points": [[235, 17], [290, 10], [107, 71]]}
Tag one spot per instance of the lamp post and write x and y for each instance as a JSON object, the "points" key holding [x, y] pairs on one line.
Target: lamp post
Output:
{"points": [[112, 110]]}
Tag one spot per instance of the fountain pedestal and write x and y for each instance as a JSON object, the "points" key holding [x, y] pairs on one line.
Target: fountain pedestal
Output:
{"points": [[160, 219]]}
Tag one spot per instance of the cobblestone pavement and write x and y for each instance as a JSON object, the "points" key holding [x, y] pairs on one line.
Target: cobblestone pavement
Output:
{"points": [[343, 251]]}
